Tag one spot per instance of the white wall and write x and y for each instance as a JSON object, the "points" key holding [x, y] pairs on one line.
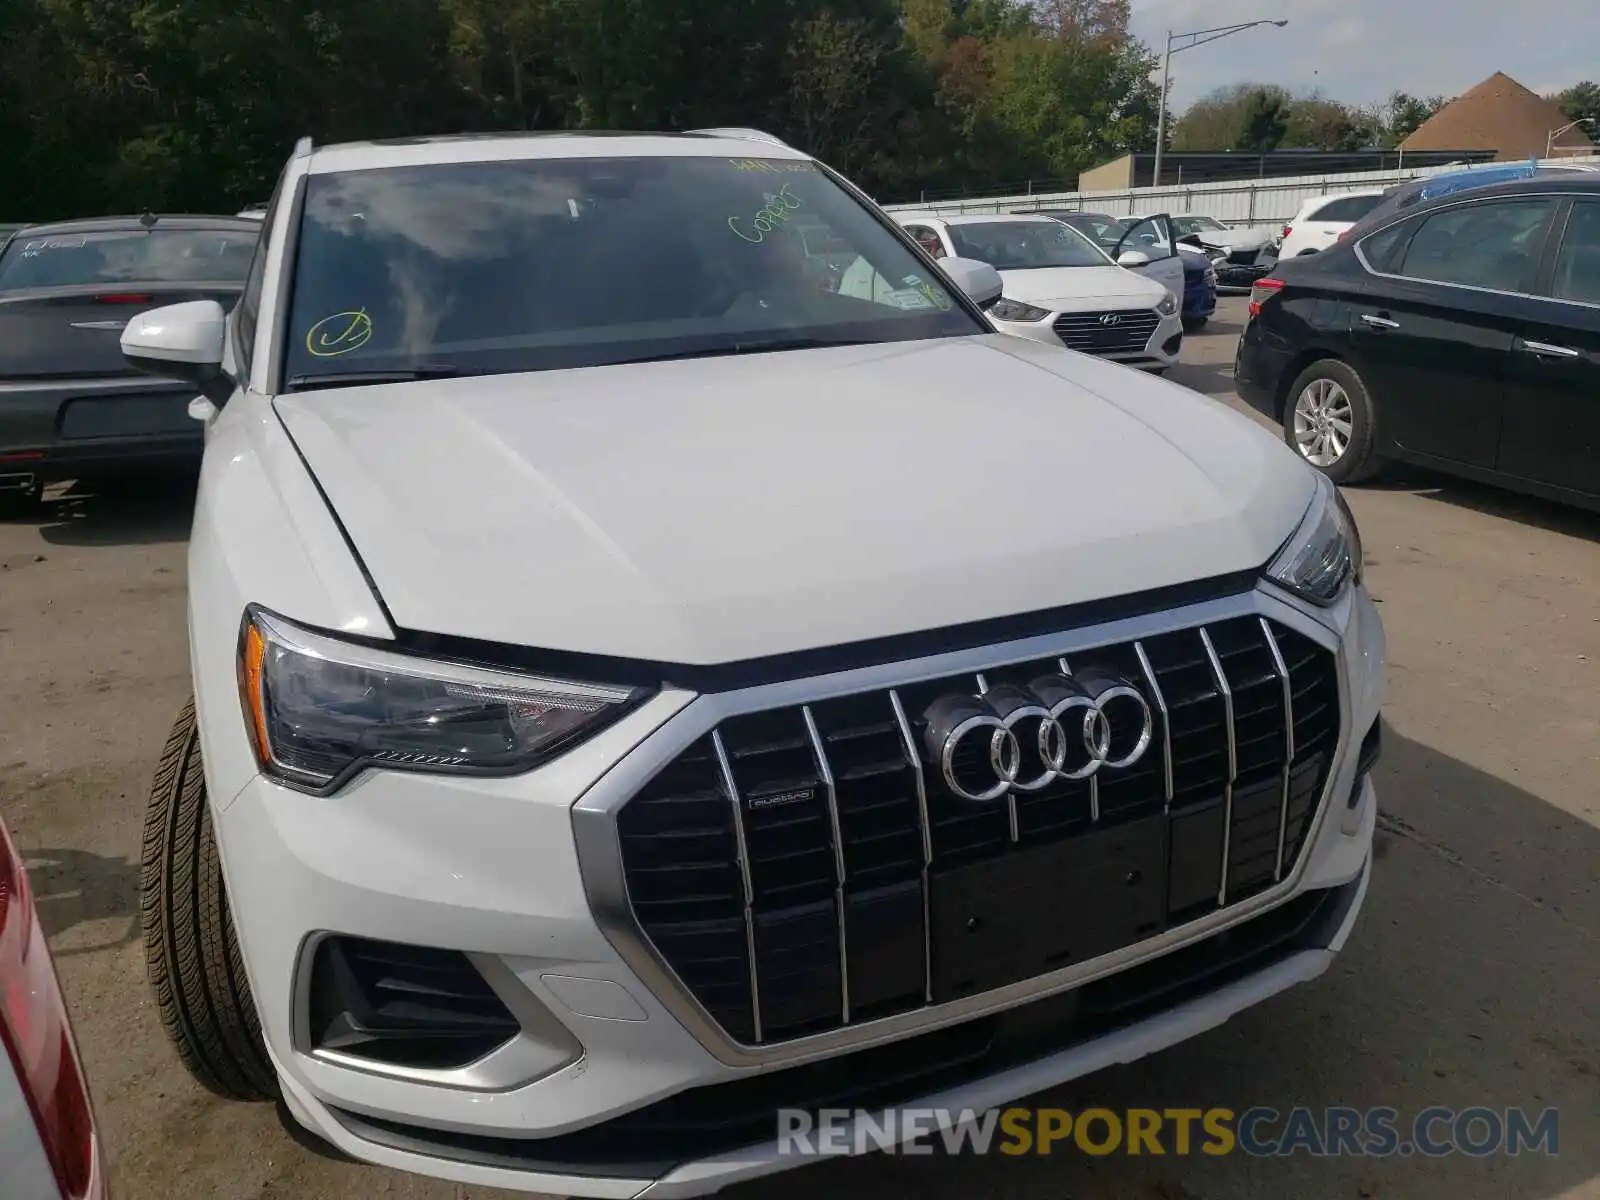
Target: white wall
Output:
{"points": [[1236, 202]]}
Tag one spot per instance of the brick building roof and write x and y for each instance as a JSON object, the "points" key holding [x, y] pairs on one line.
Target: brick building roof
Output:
{"points": [[1500, 115]]}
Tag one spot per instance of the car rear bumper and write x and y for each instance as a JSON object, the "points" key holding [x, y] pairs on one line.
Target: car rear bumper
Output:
{"points": [[610, 1088], [64, 429], [1258, 370]]}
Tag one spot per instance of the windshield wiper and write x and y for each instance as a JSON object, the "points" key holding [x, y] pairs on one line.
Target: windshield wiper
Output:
{"points": [[355, 378], [771, 346]]}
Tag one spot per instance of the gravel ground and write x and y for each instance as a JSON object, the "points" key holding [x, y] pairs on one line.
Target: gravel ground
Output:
{"points": [[1470, 980]]}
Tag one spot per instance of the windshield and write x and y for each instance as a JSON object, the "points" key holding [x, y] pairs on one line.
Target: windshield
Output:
{"points": [[1025, 245], [128, 256], [1184, 226], [547, 264]]}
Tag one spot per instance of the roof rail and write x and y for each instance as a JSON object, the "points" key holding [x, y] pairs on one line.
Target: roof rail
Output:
{"points": [[303, 147], [736, 131]]}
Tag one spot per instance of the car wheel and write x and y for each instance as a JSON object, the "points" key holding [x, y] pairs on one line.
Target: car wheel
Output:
{"points": [[190, 948], [1329, 419], [1194, 324]]}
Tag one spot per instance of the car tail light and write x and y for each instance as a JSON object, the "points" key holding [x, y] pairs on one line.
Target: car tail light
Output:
{"points": [[1287, 230], [37, 1035], [1260, 290]]}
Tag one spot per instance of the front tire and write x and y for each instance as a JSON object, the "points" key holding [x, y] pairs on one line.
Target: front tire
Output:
{"points": [[1330, 421], [191, 952]]}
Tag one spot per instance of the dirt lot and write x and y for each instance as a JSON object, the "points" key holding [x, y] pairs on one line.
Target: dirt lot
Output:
{"points": [[1472, 979]]}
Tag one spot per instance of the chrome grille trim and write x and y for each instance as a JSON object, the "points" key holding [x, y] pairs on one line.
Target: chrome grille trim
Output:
{"points": [[1166, 721], [726, 768], [606, 888], [825, 770], [1233, 759], [927, 838], [1288, 734]]}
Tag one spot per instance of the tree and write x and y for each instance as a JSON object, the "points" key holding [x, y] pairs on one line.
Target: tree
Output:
{"points": [[1405, 114], [1581, 102], [1222, 119], [1266, 120]]}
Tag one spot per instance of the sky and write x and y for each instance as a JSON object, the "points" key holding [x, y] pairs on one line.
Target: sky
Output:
{"points": [[1360, 51]]}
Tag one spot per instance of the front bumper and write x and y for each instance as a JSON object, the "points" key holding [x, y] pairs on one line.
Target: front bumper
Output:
{"points": [[493, 867], [1159, 351]]}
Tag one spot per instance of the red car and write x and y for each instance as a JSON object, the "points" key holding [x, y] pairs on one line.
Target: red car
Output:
{"points": [[49, 1148]]}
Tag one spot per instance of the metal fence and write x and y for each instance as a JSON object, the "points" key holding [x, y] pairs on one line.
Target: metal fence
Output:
{"points": [[1235, 202]]}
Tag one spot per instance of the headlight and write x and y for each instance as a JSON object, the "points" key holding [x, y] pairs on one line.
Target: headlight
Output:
{"points": [[1168, 305], [319, 709], [1016, 310], [1324, 555]]}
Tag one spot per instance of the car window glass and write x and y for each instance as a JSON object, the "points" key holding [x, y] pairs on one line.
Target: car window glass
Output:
{"points": [[1026, 245], [546, 264], [927, 239], [127, 256], [1578, 263], [1184, 226], [1382, 249], [1148, 236], [1487, 245], [249, 307], [1346, 208]]}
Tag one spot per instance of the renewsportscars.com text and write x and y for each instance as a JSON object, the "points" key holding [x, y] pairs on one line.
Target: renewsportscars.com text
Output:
{"points": [[1258, 1132]]}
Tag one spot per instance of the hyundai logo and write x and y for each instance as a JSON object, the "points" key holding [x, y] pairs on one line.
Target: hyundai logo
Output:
{"points": [[1110, 319]]}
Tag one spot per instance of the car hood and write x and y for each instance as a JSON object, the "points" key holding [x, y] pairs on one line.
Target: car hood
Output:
{"points": [[1073, 288], [1237, 239], [717, 510]]}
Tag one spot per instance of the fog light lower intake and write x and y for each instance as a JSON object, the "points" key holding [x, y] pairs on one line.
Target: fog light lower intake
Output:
{"points": [[1371, 749], [403, 1006]]}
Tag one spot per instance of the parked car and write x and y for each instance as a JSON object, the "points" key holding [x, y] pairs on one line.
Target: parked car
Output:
{"points": [[1060, 288], [1239, 255], [1461, 333], [616, 718], [1194, 285], [49, 1142], [70, 406], [1322, 220]]}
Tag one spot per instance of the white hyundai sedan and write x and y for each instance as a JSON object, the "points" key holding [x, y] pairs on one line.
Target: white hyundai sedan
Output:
{"points": [[623, 719], [1062, 289]]}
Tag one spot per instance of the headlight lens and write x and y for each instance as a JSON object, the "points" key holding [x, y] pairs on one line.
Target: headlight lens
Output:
{"points": [[320, 708], [1016, 310], [1324, 557], [1168, 305]]}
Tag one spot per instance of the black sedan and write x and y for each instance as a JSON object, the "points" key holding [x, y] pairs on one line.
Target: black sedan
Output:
{"points": [[70, 406], [1460, 333]]}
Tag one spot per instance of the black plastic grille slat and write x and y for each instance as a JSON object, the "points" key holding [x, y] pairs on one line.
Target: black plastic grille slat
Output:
{"points": [[847, 826]]}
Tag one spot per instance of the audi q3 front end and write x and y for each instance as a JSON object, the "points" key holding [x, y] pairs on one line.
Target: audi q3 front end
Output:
{"points": [[631, 700]]}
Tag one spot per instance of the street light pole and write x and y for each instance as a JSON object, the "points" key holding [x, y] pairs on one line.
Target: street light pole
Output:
{"points": [[1550, 138], [1198, 38]]}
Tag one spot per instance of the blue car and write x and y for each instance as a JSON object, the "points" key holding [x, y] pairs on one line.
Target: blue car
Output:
{"points": [[1199, 288]]}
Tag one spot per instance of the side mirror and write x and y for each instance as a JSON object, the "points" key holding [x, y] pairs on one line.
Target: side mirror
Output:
{"points": [[978, 280], [1133, 258], [181, 341]]}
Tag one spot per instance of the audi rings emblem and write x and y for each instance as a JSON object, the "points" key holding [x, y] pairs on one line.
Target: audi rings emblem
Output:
{"points": [[1110, 319], [1024, 738]]}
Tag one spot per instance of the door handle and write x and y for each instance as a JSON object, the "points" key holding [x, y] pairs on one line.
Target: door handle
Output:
{"points": [[1546, 350], [1379, 322]]}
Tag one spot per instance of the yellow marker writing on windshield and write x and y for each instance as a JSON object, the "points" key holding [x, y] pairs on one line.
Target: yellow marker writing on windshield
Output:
{"points": [[339, 334]]}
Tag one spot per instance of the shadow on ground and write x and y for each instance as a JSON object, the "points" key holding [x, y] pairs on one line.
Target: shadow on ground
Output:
{"points": [[138, 512], [1490, 500], [74, 887], [1483, 905]]}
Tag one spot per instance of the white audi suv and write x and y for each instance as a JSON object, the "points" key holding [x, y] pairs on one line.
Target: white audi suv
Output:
{"points": [[640, 686]]}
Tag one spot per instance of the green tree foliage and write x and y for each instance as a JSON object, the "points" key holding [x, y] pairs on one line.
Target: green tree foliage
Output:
{"points": [[1581, 102], [123, 105], [1258, 116]]}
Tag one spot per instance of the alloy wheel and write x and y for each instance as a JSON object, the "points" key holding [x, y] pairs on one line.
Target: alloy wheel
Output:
{"points": [[1323, 422]]}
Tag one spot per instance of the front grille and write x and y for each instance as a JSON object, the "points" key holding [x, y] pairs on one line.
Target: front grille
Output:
{"points": [[1125, 331], [410, 1006], [807, 868]]}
